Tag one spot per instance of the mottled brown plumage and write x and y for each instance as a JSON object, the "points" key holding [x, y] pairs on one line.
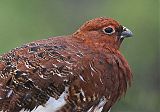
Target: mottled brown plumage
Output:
{"points": [[87, 65]]}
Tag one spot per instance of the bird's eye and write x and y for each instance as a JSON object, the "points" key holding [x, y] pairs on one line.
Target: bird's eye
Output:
{"points": [[108, 30]]}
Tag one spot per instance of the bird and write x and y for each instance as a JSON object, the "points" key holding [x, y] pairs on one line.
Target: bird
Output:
{"points": [[81, 72]]}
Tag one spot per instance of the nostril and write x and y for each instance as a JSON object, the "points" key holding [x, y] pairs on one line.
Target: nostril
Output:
{"points": [[124, 28]]}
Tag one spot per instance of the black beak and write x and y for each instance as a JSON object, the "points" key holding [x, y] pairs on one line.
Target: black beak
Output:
{"points": [[126, 33]]}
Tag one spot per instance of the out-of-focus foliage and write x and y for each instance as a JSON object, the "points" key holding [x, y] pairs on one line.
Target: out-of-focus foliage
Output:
{"points": [[22, 21]]}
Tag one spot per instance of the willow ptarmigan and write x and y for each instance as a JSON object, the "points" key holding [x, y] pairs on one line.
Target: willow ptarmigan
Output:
{"points": [[82, 72]]}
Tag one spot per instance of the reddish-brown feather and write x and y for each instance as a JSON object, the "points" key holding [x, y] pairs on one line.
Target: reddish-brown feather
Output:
{"points": [[88, 62]]}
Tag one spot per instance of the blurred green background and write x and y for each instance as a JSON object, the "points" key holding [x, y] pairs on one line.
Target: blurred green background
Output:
{"points": [[22, 21]]}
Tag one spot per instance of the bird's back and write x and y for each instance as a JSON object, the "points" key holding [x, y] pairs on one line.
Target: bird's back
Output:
{"points": [[32, 73]]}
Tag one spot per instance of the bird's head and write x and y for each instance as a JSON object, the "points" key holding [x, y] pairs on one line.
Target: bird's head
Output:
{"points": [[103, 32]]}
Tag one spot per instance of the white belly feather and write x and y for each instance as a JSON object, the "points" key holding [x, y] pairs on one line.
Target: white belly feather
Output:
{"points": [[52, 104]]}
